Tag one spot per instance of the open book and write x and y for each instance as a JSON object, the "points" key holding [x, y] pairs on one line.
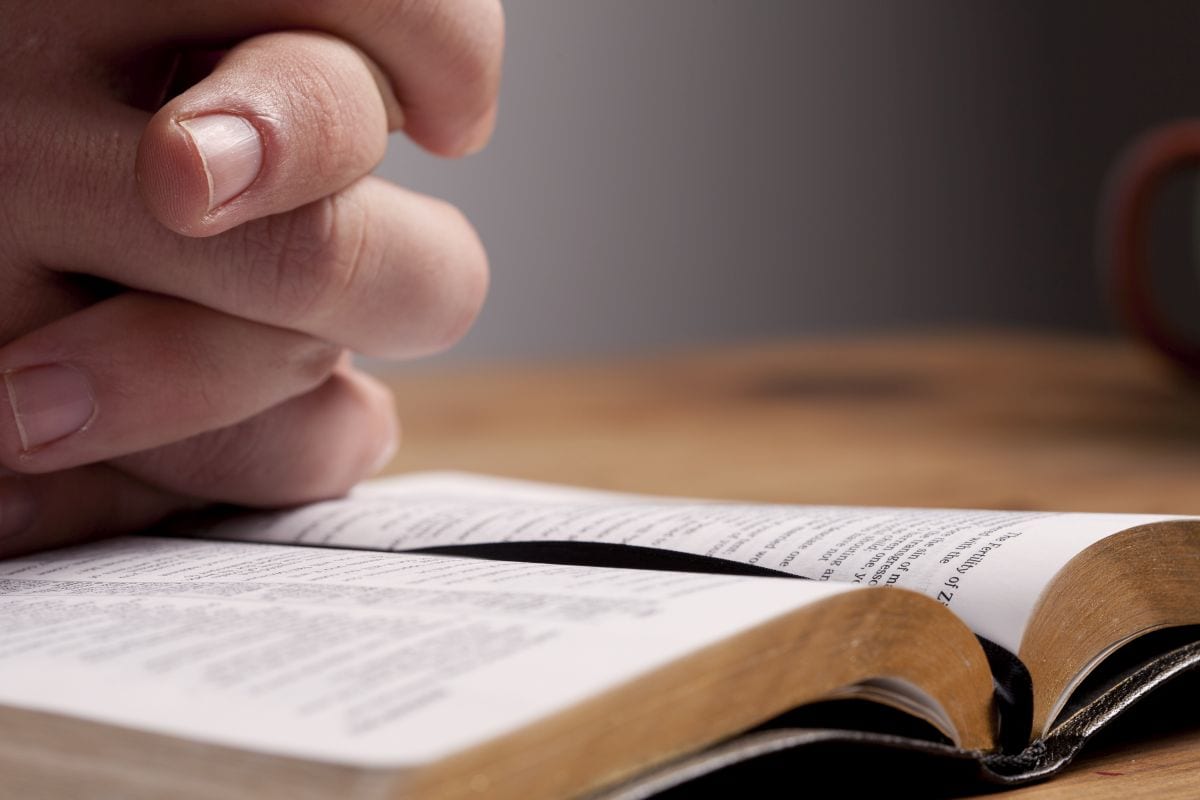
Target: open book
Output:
{"points": [[445, 636]]}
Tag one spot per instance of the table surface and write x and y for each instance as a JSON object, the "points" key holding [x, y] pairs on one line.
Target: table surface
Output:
{"points": [[987, 420]]}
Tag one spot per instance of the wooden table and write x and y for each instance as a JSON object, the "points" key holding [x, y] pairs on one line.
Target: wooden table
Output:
{"points": [[953, 419]]}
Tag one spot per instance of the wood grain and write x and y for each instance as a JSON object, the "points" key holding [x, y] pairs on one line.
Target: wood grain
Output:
{"points": [[959, 419], [937, 420]]}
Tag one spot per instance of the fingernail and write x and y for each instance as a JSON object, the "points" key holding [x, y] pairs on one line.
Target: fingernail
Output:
{"points": [[231, 150], [16, 507], [49, 403]]}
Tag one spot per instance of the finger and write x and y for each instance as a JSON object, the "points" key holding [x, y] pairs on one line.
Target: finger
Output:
{"points": [[350, 430], [138, 371], [36, 297], [285, 119], [39, 512], [312, 447], [442, 57], [376, 268]]}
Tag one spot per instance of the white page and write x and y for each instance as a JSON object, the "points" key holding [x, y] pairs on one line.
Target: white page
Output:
{"points": [[989, 567], [374, 659]]}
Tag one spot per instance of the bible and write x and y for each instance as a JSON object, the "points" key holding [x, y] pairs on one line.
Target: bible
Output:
{"points": [[445, 636]]}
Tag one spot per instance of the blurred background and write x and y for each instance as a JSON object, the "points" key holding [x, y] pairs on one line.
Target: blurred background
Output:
{"points": [[678, 173]]}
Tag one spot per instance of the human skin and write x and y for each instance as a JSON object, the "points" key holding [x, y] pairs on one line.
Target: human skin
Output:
{"points": [[183, 281]]}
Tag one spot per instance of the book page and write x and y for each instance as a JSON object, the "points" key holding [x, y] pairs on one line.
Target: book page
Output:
{"points": [[989, 567], [371, 659]]}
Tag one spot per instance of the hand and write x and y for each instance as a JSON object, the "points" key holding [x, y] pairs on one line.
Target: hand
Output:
{"points": [[183, 284]]}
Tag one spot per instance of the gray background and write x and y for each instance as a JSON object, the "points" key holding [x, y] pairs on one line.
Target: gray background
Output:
{"points": [[671, 173]]}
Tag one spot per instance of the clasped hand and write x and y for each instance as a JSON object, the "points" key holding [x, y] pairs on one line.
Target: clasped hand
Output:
{"points": [[184, 280]]}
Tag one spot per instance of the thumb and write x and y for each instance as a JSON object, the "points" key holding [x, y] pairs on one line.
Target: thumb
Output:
{"points": [[283, 120]]}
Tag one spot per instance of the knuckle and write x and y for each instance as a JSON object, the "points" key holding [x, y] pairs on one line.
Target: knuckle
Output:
{"points": [[304, 264], [344, 122], [469, 37], [229, 464], [219, 458], [200, 366]]}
